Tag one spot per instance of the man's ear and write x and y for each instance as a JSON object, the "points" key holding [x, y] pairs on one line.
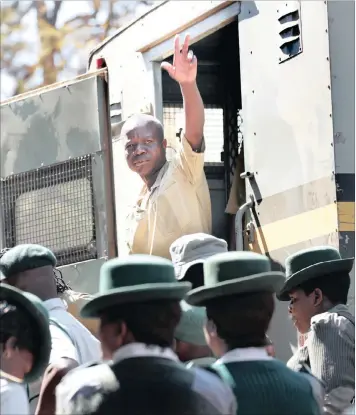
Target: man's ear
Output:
{"points": [[318, 297], [164, 143], [210, 328]]}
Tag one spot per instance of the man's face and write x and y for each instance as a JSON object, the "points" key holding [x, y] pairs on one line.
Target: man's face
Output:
{"points": [[145, 153], [302, 308]]}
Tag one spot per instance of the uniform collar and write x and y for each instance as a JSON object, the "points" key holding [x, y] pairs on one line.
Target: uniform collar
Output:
{"points": [[143, 350], [54, 303], [11, 378], [245, 354], [159, 177]]}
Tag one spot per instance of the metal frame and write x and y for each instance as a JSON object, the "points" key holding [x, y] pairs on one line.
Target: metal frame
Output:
{"points": [[154, 56], [97, 146]]}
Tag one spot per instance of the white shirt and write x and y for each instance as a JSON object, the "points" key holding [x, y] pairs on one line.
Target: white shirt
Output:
{"points": [[205, 383], [13, 398], [82, 346]]}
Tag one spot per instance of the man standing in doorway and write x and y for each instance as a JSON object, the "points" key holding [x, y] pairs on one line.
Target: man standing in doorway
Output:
{"points": [[174, 200]]}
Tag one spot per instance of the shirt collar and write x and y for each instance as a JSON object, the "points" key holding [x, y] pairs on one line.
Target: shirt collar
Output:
{"points": [[143, 350], [159, 177], [54, 303], [245, 354]]}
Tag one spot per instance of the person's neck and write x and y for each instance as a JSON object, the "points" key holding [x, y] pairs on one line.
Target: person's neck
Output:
{"points": [[327, 306], [151, 179], [198, 352], [12, 370]]}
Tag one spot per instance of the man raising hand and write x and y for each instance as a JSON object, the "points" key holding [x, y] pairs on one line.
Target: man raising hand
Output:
{"points": [[174, 200]]}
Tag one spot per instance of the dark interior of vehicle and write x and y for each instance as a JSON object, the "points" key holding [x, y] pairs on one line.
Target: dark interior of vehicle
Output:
{"points": [[219, 84]]}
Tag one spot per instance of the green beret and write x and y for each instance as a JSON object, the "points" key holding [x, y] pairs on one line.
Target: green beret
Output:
{"points": [[25, 257], [190, 327]]}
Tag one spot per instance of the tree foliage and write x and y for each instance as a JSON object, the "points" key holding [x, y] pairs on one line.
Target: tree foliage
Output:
{"points": [[45, 41]]}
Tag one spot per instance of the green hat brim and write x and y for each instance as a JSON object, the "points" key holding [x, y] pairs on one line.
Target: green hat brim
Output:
{"points": [[314, 271], [267, 281], [135, 294], [42, 353]]}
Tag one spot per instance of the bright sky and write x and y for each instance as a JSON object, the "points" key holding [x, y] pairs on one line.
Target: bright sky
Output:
{"points": [[77, 57]]}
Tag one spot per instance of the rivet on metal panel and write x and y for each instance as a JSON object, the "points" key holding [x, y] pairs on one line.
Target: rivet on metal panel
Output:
{"points": [[330, 115], [332, 144], [253, 92], [326, 30], [327, 58], [254, 134], [251, 52], [328, 86]]}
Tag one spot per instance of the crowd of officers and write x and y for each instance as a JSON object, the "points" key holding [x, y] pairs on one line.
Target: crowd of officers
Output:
{"points": [[186, 336]]}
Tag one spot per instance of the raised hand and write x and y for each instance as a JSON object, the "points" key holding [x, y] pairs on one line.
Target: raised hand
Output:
{"points": [[185, 65]]}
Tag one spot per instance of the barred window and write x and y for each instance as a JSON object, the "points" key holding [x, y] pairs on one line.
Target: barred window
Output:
{"points": [[173, 120], [52, 206]]}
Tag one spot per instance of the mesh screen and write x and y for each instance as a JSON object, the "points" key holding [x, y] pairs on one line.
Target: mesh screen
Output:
{"points": [[173, 120], [52, 206]]}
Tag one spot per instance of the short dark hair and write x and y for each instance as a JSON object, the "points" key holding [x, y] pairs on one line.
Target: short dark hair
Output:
{"points": [[242, 320], [14, 322], [195, 276], [151, 322], [335, 287]]}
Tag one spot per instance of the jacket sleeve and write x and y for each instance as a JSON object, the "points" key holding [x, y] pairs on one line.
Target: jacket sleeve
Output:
{"points": [[190, 161], [331, 354]]}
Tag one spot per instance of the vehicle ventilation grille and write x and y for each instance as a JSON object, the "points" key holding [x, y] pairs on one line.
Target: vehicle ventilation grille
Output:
{"points": [[289, 30]]}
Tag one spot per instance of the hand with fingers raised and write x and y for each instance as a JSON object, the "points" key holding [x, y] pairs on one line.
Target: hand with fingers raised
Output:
{"points": [[185, 65]]}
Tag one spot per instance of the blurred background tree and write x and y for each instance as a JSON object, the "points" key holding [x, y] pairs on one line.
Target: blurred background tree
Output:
{"points": [[47, 41]]}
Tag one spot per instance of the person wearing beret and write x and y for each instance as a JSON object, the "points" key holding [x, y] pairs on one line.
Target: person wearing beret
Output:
{"points": [[190, 343], [25, 346], [30, 268], [317, 287], [238, 296], [139, 308]]}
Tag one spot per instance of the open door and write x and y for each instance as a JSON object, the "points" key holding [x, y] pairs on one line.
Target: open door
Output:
{"points": [[287, 125], [288, 132]]}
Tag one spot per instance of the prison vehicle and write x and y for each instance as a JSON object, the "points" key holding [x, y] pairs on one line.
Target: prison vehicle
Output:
{"points": [[277, 80]]}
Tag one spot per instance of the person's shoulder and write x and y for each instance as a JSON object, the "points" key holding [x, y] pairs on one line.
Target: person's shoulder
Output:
{"points": [[83, 388], [13, 397], [215, 390], [86, 379], [331, 323], [331, 318], [210, 380]]}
